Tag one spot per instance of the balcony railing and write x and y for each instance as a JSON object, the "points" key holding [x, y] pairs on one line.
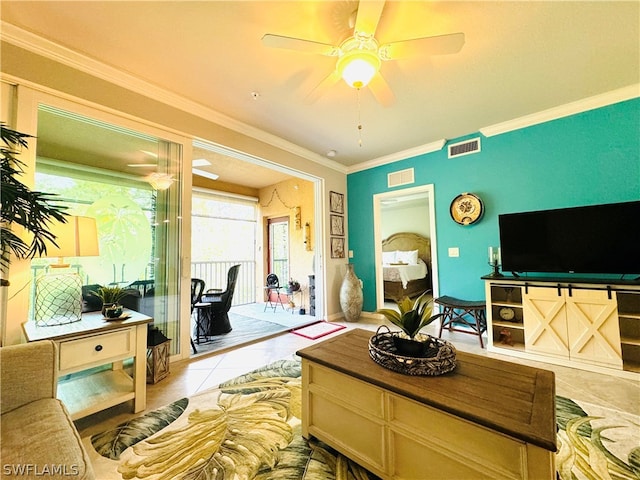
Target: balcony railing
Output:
{"points": [[214, 275]]}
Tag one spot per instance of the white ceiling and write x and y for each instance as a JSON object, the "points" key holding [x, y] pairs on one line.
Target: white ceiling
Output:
{"points": [[76, 139], [519, 58]]}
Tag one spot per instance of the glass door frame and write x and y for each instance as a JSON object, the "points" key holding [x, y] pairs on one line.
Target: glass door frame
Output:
{"points": [[28, 101]]}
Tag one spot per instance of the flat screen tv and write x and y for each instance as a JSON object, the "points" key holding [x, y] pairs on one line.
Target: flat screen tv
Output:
{"points": [[597, 239]]}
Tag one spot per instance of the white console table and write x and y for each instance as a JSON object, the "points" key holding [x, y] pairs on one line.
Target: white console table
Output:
{"points": [[95, 342], [582, 323]]}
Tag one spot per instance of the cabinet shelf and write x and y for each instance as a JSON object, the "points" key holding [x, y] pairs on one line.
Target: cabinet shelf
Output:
{"points": [[517, 326], [630, 341], [92, 393], [500, 303]]}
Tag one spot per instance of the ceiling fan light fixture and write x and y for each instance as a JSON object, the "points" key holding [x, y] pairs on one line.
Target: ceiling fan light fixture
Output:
{"points": [[358, 68], [359, 61]]}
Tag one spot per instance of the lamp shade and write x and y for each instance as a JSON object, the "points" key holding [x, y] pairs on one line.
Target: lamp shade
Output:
{"points": [[78, 237]]}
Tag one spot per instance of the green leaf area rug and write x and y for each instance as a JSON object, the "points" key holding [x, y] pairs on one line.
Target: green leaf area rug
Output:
{"points": [[250, 428]]}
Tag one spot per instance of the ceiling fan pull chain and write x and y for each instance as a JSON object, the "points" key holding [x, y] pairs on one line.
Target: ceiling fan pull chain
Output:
{"points": [[359, 120]]}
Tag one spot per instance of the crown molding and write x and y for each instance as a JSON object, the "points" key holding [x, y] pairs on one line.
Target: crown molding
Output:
{"points": [[573, 108], [590, 103], [395, 157], [53, 51]]}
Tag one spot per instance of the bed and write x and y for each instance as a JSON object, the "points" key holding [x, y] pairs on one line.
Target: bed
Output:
{"points": [[406, 265]]}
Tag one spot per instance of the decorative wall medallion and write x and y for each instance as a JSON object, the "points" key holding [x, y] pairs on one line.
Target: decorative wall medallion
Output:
{"points": [[466, 209]]}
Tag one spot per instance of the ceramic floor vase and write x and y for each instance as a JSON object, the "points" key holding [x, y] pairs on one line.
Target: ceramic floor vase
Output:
{"points": [[351, 295]]}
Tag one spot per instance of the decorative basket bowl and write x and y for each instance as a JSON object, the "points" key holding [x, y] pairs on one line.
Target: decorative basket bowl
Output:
{"points": [[382, 350]]}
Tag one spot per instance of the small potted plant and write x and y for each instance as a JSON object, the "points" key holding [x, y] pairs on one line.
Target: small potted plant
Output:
{"points": [[294, 285], [110, 297], [413, 317]]}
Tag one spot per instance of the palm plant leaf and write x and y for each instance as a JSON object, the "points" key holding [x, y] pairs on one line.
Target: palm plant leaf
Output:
{"points": [[566, 410], [34, 211], [236, 436], [112, 443], [292, 462], [272, 375], [634, 460]]}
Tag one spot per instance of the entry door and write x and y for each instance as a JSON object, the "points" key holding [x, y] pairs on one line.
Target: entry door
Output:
{"points": [[279, 248]]}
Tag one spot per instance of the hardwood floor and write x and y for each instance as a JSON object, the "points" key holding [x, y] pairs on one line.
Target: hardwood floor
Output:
{"points": [[206, 371]]}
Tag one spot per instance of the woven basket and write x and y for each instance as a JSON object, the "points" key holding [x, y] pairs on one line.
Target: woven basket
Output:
{"points": [[383, 351]]}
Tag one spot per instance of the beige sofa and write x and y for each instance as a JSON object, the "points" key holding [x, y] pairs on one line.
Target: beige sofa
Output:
{"points": [[38, 438]]}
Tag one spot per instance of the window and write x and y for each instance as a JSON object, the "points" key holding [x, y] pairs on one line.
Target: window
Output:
{"points": [[223, 234], [279, 248]]}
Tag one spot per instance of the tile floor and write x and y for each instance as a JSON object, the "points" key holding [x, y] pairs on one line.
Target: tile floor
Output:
{"points": [[197, 374]]}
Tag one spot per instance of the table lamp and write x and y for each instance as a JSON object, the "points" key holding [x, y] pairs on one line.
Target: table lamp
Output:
{"points": [[59, 293]]}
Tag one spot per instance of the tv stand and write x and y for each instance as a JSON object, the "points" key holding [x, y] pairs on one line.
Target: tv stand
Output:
{"points": [[592, 324]]}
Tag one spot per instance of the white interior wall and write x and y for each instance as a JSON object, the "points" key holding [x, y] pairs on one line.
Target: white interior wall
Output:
{"points": [[406, 217]]}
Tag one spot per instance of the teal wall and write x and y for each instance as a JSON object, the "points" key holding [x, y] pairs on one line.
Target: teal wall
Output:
{"points": [[584, 159]]}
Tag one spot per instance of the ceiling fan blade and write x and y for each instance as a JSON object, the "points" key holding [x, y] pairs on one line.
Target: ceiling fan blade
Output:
{"points": [[437, 45], [368, 16], [320, 89], [381, 90], [308, 46]]}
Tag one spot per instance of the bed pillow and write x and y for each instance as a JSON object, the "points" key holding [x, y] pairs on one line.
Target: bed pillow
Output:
{"points": [[409, 257], [388, 257]]}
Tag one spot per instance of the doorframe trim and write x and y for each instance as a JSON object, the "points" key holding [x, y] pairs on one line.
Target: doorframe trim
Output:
{"points": [[429, 189]]}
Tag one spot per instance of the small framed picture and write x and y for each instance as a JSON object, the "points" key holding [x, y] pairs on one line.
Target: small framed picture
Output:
{"points": [[337, 247], [336, 202], [337, 225]]}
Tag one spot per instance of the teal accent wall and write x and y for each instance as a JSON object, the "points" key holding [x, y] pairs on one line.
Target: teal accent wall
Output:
{"points": [[583, 159]]}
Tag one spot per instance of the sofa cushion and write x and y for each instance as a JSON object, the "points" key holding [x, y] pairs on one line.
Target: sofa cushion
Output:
{"points": [[40, 439], [90, 303]]}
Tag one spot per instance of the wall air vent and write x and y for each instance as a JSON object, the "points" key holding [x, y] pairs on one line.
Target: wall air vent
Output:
{"points": [[464, 148], [401, 177]]}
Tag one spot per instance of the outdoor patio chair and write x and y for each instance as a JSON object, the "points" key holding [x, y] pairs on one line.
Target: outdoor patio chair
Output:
{"points": [[218, 304], [272, 289]]}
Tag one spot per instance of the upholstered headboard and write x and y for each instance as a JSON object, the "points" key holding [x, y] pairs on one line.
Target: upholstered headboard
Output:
{"points": [[406, 241]]}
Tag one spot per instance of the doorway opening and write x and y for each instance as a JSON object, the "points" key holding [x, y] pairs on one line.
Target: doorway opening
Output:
{"points": [[409, 210]]}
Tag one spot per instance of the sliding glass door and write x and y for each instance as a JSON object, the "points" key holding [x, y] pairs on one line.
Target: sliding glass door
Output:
{"points": [[103, 171]]}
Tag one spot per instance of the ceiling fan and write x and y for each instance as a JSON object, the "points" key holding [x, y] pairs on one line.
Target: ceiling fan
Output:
{"points": [[360, 56]]}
